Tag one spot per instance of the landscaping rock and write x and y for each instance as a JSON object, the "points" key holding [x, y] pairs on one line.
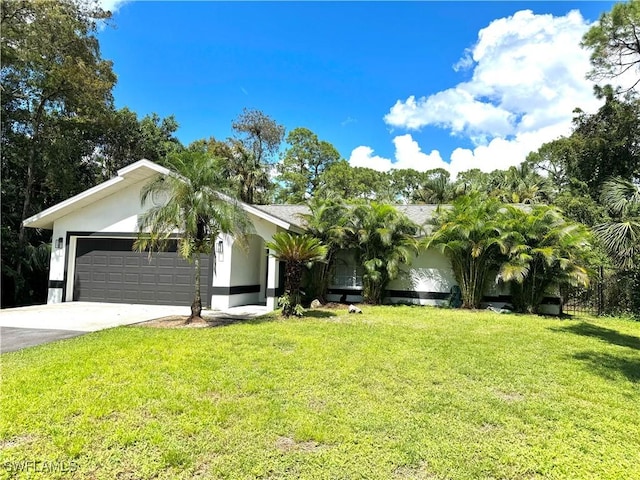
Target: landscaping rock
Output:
{"points": [[354, 309], [316, 304]]}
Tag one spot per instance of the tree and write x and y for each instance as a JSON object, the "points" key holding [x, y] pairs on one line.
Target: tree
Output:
{"points": [[603, 144], [56, 89], [621, 235], [341, 180], [125, 139], [327, 221], [296, 251], [544, 252], [195, 209], [405, 183], [469, 234], [553, 160], [384, 239], [250, 179], [615, 43], [303, 164], [522, 184], [253, 153], [259, 134], [436, 188], [608, 142]]}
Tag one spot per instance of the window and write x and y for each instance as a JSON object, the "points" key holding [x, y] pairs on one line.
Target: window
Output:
{"points": [[347, 276]]}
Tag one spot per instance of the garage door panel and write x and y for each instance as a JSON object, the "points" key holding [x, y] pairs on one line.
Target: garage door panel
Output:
{"points": [[130, 261], [116, 260], [98, 277], [131, 278], [108, 270], [183, 279]]}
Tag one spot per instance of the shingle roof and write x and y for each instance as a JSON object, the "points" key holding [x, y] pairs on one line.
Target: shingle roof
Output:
{"points": [[291, 213], [288, 213]]}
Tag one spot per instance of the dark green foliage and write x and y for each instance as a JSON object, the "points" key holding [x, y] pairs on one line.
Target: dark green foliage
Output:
{"points": [[125, 139], [535, 250], [621, 234], [303, 164], [543, 252], [384, 240], [469, 233], [327, 221], [296, 251], [55, 90]]}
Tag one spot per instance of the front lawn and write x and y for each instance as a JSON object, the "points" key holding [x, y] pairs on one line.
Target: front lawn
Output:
{"points": [[397, 392]]}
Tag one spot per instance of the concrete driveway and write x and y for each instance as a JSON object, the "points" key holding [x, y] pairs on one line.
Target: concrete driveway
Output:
{"points": [[28, 326]]}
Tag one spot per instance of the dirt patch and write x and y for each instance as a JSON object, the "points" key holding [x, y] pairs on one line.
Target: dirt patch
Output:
{"points": [[16, 441], [420, 471], [509, 397], [179, 321], [286, 444]]}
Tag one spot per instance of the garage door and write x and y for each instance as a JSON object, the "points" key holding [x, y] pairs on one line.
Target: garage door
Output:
{"points": [[107, 270]]}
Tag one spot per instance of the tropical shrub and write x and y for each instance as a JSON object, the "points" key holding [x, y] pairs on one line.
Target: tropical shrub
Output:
{"points": [[297, 251], [469, 232], [384, 239], [544, 252]]}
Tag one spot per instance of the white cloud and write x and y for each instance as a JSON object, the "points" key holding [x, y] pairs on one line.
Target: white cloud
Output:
{"points": [[529, 74], [111, 5], [408, 155]]}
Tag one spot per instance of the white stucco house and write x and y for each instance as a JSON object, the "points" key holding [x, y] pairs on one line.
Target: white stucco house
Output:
{"points": [[92, 257]]}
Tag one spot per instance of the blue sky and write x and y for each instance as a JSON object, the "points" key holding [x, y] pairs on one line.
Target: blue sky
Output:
{"points": [[391, 85]]}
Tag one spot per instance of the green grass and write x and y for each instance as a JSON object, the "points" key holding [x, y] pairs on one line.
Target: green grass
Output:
{"points": [[398, 392]]}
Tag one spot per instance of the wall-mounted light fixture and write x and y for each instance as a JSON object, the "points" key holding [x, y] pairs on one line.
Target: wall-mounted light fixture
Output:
{"points": [[220, 250], [59, 242]]}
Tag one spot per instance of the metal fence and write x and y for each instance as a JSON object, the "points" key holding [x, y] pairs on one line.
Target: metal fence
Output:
{"points": [[611, 292]]}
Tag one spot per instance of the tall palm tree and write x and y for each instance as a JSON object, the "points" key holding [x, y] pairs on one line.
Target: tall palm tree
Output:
{"points": [[544, 251], [194, 210], [384, 239], [469, 234], [326, 221], [621, 235], [296, 251]]}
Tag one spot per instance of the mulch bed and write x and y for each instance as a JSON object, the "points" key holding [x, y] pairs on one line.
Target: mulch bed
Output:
{"points": [[179, 321]]}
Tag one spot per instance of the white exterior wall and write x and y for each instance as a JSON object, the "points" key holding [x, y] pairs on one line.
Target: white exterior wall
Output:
{"points": [[428, 275], [429, 272], [117, 213], [240, 267]]}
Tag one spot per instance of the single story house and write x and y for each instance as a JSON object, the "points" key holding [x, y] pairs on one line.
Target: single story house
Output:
{"points": [[92, 257]]}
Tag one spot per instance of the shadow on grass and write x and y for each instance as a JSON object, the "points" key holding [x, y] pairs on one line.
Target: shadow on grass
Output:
{"points": [[226, 320], [319, 314], [606, 364], [605, 334]]}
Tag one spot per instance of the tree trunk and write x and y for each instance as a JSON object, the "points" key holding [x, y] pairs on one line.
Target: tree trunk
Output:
{"points": [[196, 306]]}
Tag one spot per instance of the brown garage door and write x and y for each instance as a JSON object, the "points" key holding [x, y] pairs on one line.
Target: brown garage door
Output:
{"points": [[107, 270]]}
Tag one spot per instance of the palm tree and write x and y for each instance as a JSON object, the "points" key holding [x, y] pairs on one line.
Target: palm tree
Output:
{"points": [[544, 251], [469, 234], [247, 174], [296, 251], [326, 221], [621, 235], [436, 189], [384, 239], [521, 185], [194, 210]]}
